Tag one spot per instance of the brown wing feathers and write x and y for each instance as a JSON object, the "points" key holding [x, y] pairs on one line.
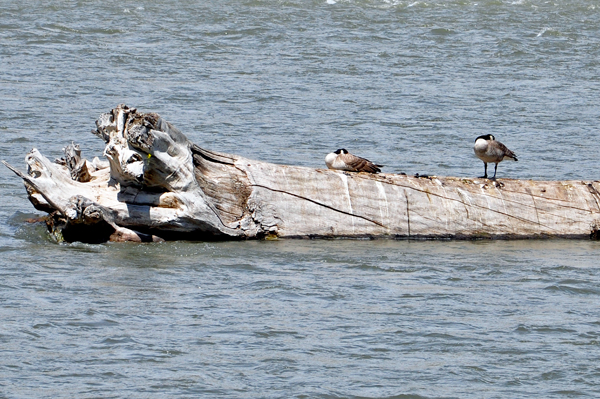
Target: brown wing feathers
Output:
{"points": [[360, 164], [507, 153]]}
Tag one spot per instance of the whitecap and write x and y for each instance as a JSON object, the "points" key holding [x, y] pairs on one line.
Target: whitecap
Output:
{"points": [[394, 3], [544, 30], [331, 1]]}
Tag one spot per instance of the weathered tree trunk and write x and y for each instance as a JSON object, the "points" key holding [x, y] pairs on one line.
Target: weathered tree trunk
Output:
{"points": [[158, 185]]}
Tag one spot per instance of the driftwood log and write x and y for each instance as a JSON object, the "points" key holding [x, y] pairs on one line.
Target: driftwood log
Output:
{"points": [[158, 185]]}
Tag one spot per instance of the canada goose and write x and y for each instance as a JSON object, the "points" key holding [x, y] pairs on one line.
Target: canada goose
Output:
{"points": [[489, 150], [343, 160]]}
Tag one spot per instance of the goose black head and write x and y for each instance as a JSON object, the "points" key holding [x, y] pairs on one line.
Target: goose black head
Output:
{"points": [[341, 151], [486, 137]]}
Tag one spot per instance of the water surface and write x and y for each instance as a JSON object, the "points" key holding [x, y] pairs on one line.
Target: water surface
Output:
{"points": [[408, 84]]}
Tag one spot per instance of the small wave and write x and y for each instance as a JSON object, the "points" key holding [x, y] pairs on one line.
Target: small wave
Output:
{"points": [[573, 290], [541, 33], [18, 140], [117, 340], [442, 31], [547, 31]]}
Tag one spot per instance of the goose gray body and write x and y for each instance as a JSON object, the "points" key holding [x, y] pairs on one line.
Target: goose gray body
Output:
{"points": [[343, 160], [491, 151]]}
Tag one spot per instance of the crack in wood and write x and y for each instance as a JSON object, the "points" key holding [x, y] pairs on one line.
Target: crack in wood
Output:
{"points": [[553, 200], [407, 213], [461, 195], [483, 207], [321, 204], [211, 156], [536, 209], [382, 180], [595, 194]]}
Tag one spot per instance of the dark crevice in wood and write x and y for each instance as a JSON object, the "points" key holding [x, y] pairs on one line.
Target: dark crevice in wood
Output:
{"points": [[320, 204]]}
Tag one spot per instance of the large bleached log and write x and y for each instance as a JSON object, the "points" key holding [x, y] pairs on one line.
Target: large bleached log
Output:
{"points": [[158, 185]]}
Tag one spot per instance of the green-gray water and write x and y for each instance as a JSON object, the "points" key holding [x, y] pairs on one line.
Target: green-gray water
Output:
{"points": [[408, 84]]}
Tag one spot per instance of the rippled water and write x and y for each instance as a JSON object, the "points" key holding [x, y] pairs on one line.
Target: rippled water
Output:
{"points": [[408, 84]]}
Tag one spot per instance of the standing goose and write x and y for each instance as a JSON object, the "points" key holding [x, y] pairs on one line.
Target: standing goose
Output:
{"points": [[489, 150], [343, 160]]}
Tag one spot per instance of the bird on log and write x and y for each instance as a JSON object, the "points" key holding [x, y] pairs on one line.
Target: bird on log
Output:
{"points": [[489, 150], [158, 185], [342, 160]]}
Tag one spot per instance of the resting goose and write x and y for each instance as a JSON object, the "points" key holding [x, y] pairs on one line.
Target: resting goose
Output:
{"points": [[343, 160]]}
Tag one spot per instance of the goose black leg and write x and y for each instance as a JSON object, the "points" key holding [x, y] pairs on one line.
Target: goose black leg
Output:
{"points": [[484, 171], [495, 169]]}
